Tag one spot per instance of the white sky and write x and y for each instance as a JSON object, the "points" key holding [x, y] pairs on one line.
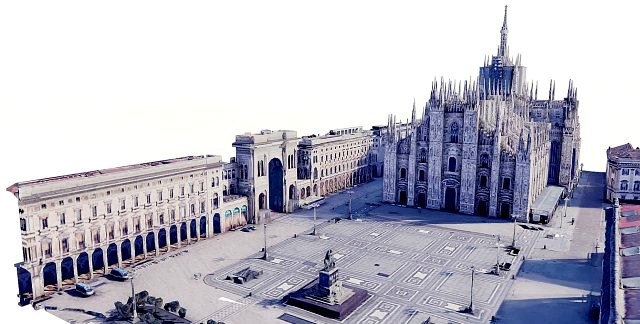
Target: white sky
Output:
{"points": [[86, 85]]}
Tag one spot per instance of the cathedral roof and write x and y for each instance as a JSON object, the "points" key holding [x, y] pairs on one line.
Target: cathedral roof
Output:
{"points": [[625, 151]]}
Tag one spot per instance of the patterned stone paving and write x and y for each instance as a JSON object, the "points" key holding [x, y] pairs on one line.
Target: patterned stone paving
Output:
{"points": [[412, 272]]}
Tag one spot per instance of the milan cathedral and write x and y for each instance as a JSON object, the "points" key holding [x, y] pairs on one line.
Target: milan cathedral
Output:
{"points": [[487, 147]]}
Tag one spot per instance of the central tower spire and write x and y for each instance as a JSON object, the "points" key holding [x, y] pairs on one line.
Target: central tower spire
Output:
{"points": [[503, 35]]}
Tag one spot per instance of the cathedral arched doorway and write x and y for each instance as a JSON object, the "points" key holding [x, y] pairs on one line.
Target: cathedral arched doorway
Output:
{"points": [[203, 227], [276, 173], [183, 232], [573, 165], [66, 268], [505, 210], [173, 234], [97, 260], [25, 287], [112, 254], [49, 274], [216, 223], [151, 242], [450, 199], [262, 201], [402, 197], [422, 199], [192, 228], [483, 208], [162, 238], [125, 250], [138, 246], [554, 162], [82, 263]]}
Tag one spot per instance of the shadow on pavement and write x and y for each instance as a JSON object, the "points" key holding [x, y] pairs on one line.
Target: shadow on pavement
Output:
{"points": [[572, 273], [546, 310]]}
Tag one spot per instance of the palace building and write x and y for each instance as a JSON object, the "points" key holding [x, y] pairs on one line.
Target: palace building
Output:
{"points": [[487, 146], [623, 173], [77, 226]]}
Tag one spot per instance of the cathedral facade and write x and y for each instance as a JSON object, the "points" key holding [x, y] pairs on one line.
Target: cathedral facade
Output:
{"points": [[486, 147]]}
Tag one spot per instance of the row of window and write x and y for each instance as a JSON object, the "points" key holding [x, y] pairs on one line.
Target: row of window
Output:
{"points": [[94, 211], [337, 155], [624, 185], [626, 171], [96, 237], [226, 175], [506, 182]]}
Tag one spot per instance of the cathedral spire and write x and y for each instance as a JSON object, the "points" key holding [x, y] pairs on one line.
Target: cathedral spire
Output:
{"points": [[413, 113], [503, 35]]}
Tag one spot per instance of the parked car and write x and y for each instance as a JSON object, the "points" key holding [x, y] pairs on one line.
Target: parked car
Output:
{"points": [[84, 290], [119, 273], [248, 229]]}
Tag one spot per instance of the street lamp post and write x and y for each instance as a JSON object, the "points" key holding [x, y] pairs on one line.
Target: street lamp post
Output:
{"points": [[350, 213], [314, 217], [513, 240], [133, 297], [265, 255], [470, 308], [498, 256], [565, 211]]}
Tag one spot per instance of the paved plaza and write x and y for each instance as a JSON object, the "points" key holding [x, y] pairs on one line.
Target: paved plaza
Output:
{"points": [[415, 263], [411, 271]]}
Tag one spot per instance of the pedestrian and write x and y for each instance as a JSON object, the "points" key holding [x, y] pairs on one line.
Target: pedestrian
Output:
{"points": [[573, 220]]}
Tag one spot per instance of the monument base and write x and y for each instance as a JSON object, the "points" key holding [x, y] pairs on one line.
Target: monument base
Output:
{"points": [[307, 298]]}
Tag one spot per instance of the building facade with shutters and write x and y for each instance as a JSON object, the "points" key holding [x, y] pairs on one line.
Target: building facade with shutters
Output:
{"points": [[623, 173], [80, 225]]}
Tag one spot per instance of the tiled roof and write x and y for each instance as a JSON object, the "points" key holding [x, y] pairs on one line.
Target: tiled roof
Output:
{"points": [[86, 174], [625, 151], [630, 216]]}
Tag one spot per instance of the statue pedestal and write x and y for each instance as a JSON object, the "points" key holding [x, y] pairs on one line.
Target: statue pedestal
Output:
{"points": [[327, 296], [311, 299], [326, 279]]}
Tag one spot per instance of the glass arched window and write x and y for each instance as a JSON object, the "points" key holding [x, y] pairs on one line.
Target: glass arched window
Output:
{"points": [[484, 160], [454, 132], [403, 173], [452, 164], [421, 175], [624, 185], [636, 186], [236, 211], [506, 183], [483, 181], [227, 213]]}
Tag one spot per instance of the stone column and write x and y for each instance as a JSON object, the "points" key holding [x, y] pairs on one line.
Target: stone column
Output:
{"points": [[198, 230], [168, 233], [37, 283], [155, 239], [118, 252], [144, 246], [188, 232], [105, 258], [59, 274], [132, 245], [74, 258], [90, 259], [178, 235], [210, 225]]}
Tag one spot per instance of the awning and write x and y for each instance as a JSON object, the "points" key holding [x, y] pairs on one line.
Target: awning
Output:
{"points": [[546, 203]]}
